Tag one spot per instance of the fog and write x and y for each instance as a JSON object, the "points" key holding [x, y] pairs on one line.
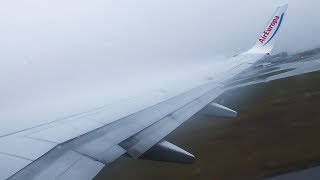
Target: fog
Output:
{"points": [[77, 52], [148, 29]]}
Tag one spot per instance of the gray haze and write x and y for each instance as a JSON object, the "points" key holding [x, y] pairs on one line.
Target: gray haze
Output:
{"points": [[81, 52], [117, 29], [79, 40]]}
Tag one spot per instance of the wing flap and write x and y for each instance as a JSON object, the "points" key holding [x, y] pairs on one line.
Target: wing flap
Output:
{"points": [[83, 169], [100, 150], [60, 163], [144, 140]]}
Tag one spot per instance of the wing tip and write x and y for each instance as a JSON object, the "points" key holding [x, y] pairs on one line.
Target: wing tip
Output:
{"points": [[266, 41]]}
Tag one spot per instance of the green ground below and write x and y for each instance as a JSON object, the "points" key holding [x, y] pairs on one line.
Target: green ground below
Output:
{"points": [[278, 130]]}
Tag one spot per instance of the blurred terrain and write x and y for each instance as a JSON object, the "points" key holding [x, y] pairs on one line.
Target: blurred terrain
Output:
{"points": [[277, 131]]}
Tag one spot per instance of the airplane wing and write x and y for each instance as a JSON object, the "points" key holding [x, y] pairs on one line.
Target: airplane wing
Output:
{"points": [[79, 146]]}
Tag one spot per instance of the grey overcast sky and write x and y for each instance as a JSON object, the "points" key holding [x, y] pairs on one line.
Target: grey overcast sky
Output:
{"points": [[85, 53], [65, 41], [124, 29]]}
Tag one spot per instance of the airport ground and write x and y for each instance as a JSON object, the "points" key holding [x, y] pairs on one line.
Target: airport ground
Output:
{"points": [[277, 130]]}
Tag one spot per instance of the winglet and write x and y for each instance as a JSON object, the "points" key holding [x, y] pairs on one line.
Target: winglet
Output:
{"points": [[266, 41]]}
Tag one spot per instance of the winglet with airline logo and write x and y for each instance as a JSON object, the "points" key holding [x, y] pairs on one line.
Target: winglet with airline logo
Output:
{"points": [[266, 41]]}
